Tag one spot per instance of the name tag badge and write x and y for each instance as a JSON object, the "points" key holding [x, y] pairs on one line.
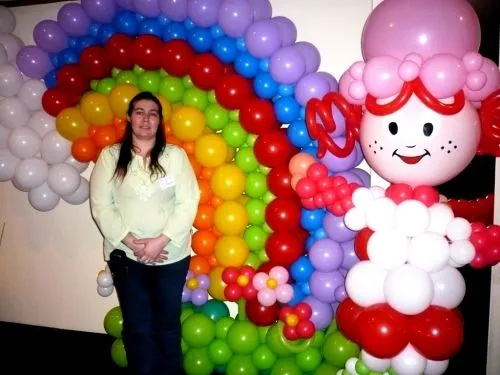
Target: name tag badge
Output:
{"points": [[166, 182]]}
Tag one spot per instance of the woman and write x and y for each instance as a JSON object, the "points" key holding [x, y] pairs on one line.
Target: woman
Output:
{"points": [[144, 196]]}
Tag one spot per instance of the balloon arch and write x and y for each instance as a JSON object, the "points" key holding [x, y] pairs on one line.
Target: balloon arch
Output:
{"points": [[330, 275]]}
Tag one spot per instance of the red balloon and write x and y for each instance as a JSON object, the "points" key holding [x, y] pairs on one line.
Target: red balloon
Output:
{"points": [[347, 319], [230, 274], [382, 331], [206, 71], [72, 78], [257, 116], [399, 192], [118, 51], [177, 57], [279, 182], [232, 292], [54, 100], [302, 235], [94, 62], [426, 194], [146, 50], [233, 91], [283, 215], [273, 149], [361, 243], [266, 267], [284, 248], [437, 333], [261, 315], [305, 329]]}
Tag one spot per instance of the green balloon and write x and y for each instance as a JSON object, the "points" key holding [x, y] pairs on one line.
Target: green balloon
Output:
{"points": [[93, 84], [195, 97], [105, 85], [126, 76], [211, 97], [255, 237], [198, 330], [113, 322], [255, 184], [273, 341], [186, 81], [392, 372], [217, 117], [243, 337], [214, 309], [285, 366], [150, 81], [263, 357], [246, 160], [361, 368], [118, 353], [318, 339], [262, 254], [138, 70], [337, 349], [253, 261], [263, 333], [256, 211], [241, 365], [172, 89], [184, 346], [219, 352], [234, 115], [222, 326], [326, 369], [220, 369], [163, 73], [265, 170], [197, 362], [185, 312], [115, 72], [267, 228], [268, 197], [234, 134], [251, 139], [309, 359]]}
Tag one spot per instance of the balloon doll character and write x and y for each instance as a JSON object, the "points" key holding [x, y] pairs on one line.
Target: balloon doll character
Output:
{"points": [[421, 105]]}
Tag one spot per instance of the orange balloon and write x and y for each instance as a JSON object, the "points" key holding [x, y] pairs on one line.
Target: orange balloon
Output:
{"points": [[168, 129], [203, 242], [204, 217], [92, 131], [84, 150], [199, 265], [188, 147], [195, 165], [205, 191], [216, 201], [212, 260], [206, 173], [105, 136], [173, 141], [120, 127]]}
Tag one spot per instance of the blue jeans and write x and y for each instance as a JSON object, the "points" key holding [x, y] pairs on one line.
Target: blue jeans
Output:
{"points": [[150, 301]]}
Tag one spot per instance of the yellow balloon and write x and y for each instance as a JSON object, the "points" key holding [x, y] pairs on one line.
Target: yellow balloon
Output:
{"points": [[120, 97], [166, 108], [187, 123], [231, 251], [71, 124], [216, 288], [231, 218], [211, 150], [231, 151], [228, 182], [95, 109]]}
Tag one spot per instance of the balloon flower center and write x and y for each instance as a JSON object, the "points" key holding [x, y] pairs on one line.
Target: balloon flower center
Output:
{"points": [[271, 283], [192, 284], [242, 280], [292, 320]]}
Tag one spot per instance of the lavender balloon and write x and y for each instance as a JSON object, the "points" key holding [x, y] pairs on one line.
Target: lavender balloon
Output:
{"points": [[324, 284], [203, 12], [49, 36], [186, 294], [336, 229], [287, 65], [126, 4], [73, 19], [312, 85], [340, 293], [199, 297], [350, 257], [148, 8], [287, 28], [262, 39], [350, 177], [204, 281], [334, 85], [33, 62], [262, 9], [310, 54], [322, 313], [336, 164], [176, 10], [326, 255], [235, 17], [101, 11], [363, 175]]}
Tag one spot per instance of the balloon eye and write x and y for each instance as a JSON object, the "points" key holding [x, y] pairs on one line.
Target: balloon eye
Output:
{"points": [[393, 128], [428, 129]]}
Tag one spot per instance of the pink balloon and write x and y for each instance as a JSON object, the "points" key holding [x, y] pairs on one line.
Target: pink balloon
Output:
{"points": [[443, 75], [259, 280], [284, 293], [279, 273], [299, 163], [381, 76], [266, 297], [427, 27]]}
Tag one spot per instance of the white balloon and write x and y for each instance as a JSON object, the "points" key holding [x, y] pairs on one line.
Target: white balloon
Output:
{"points": [[365, 283], [31, 94], [377, 191], [462, 252], [105, 292], [412, 217], [63, 179], [80, 167], [362, 197], [24, 142], [436, 367], [42, 123], [11, 80], [458, 229], [7, 20], [80, 195], [42, 198], [408, 289], [409, 362], [55, 149], [8, 164], [380, 214], [388, 248], [13, 113], [12, 44], [449, 287], [374, 363], [350, 365], [31, 173], [104, 279], [429, 251], [354, 219], [4, 136], [440, 216]]}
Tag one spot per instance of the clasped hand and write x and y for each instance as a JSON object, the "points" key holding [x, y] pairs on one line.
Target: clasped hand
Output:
{"points": [[148, 250]]}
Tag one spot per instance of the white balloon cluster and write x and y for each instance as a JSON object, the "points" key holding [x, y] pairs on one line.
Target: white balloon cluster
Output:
{"points": [[32, 153], [105, 286]]}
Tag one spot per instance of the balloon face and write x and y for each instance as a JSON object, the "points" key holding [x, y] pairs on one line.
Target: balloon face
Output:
{"points": [[418, 146]]}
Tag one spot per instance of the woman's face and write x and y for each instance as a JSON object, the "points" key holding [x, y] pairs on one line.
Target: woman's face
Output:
{"points": [[145, 119]]}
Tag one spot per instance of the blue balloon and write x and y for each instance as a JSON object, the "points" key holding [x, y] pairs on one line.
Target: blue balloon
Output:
{"points": [[188, 24], [246, 65], [264, 65], [174, 30], [306, 289], [54, 58], [126, 22], [265, 86], [163, 19], [84, 42], [309, 242], [106, 31], [302, 269], [139, 17], [150, 26], [72, 42], [68, 56], [50, 79], [286, 90], [287, 109], [94, 28], [298, 296], [241, 45], [311, 150], [225, 49], [200, 39], [216, 31], [319, 234], [302, 112], [298, 134], [312, 220]]}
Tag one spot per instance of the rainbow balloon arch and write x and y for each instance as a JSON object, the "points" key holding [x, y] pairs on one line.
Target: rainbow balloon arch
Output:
{"points": [[234, 85]]}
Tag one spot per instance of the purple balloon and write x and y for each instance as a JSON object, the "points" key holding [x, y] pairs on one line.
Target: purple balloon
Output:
{"points": [[336, 164], [101, 11], [176, 10], [186, 294], [310, 54], [350, 257], [322, 313], [359, 154], [262, 9], [324, 284], [426, 27], [33, 62], [235, 17], [335, 228], [126, 4], [262, 39], [73, 19], [204, 281], [334, 85], [50, 37], [287, 28], [343, 271], [363, 175], [312, 85], [199, 297], [350, 177], [287, 65], [326, 255], [203, 12], [340, 293], [148, 8]]}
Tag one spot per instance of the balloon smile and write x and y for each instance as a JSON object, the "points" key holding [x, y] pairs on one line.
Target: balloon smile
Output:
{"points": [[411, 159]]}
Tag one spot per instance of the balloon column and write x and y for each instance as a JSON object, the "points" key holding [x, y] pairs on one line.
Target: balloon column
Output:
{"points": [[428, 102]]}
